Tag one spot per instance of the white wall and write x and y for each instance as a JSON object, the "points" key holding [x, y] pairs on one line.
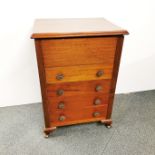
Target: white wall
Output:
{"points": [[19, 83]]}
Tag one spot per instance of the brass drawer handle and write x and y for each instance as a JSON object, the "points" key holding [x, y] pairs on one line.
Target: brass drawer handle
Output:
{"points": [[99, 73], [59, 76], [97, 101], [60, 92], [62, 118], [96, 114], [61, 105], [98, 88]]}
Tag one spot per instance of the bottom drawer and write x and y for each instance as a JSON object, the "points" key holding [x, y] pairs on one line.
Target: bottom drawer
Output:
{"points": [[60, 118]]}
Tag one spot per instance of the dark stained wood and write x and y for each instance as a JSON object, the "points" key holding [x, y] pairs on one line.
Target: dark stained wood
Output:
{"points": [[78, 51], [78, 73], [57, 28]]}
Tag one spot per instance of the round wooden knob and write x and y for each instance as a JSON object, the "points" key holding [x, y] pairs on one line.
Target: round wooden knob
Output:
{"points": [[98, 88], [97, 101], [62, 118], [60, 92], [61, 105], [59, 76], [99, 73], [96, 114]]}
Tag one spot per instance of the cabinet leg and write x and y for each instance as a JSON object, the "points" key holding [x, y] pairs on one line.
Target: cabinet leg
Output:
{"points": [[107, 123], [46, 135], [47, 131], [108, 126]]}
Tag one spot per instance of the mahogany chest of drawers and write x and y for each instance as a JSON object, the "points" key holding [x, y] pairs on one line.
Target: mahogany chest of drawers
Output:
{"points": [[78, 62]]}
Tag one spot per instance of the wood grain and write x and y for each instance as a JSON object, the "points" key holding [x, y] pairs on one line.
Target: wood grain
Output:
{"points": [[78, 51], [77, 115], [78, 73], [79, 88], [82, 101], [78, 121], [70, 103], [56, 28]]}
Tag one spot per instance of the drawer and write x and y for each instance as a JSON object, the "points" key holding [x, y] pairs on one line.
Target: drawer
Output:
{"points": [[91, 88], [78, 51], [58, 118], [78, 73], [77, 101]]}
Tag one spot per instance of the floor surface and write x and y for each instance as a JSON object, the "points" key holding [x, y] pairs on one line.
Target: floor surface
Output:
{"points": [[133, 131]]}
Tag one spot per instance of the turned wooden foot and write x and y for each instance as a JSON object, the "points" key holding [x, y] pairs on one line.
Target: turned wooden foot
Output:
{"points": [[47, 131], [107, 123]]}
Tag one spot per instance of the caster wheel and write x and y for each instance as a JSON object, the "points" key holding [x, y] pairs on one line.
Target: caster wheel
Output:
{"points": [[108, 126], [46, 136]]}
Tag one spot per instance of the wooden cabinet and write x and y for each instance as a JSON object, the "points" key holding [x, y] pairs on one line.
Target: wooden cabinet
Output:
{"points": [[78, 62]]}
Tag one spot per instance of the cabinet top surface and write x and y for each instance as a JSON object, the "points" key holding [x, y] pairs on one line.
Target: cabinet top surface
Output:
{"points": [[57, 28]]}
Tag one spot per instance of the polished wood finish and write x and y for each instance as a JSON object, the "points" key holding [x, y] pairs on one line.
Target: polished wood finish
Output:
{"points": [[115, 73], [85, 100], [56, 28], [42, 81], [78, 69], [47, 131], [79, 88], [71, 116], [78, 51], [78, 73]]}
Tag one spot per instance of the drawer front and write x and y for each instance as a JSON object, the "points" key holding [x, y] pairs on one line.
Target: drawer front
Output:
{"points": [[91, 88], [78, 73], [59, 118], [77, 102], [78, 51]]}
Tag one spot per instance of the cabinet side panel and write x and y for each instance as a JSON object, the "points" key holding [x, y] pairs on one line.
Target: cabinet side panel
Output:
{"points": [[115, 74], [42, 80]]}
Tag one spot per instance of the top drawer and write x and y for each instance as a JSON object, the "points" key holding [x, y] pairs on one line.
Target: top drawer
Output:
{"points": [[78, 51]]}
